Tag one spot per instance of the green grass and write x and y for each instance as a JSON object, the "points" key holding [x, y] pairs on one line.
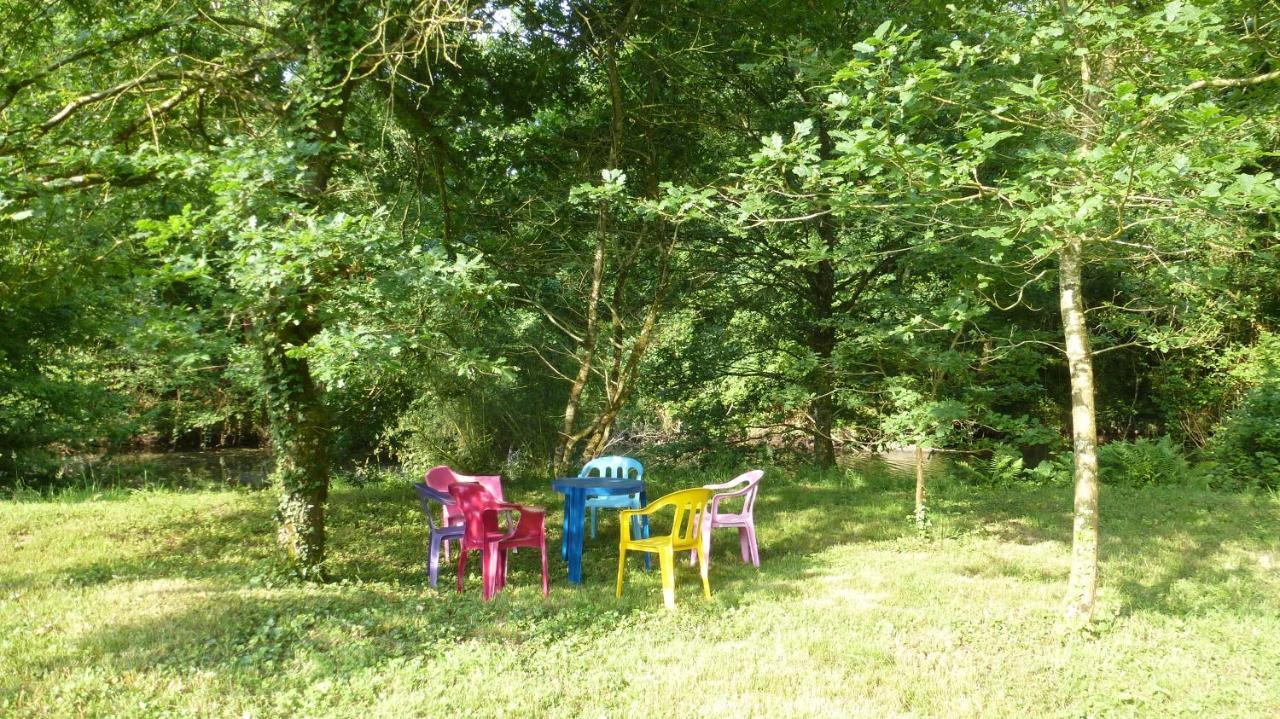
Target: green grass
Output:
{"points": [[170, 603]]}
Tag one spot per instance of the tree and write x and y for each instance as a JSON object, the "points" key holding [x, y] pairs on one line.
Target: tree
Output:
{"points": [[277, 244], [1088, 142]]}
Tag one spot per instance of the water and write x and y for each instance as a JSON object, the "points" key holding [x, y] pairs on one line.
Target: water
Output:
{"points": [[249, 468], [226, 467], [897, 464]]}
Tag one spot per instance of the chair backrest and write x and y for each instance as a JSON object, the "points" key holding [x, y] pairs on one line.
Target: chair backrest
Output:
{"points": [[427, 495], [751, 480], [690, 505], [442, 477], [479, 511], [613, 466]]}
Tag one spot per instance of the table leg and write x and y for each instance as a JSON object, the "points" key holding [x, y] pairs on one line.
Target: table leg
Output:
{"points": [[644, 530], [577, 506], [564, 529]]}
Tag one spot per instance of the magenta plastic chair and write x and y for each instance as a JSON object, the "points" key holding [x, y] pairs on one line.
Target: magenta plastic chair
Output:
{"points": [[439, 478], [482, 532], [747, 486]]}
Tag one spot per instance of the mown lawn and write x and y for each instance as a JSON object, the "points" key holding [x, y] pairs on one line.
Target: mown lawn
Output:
{"points": [[170, 603]]}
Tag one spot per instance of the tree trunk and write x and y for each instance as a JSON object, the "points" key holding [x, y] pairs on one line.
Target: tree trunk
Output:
{"points": [[568, 439], [300, 446], [1083, 584], [296, 407], [822, 342], [919, 484], [822, 334]]}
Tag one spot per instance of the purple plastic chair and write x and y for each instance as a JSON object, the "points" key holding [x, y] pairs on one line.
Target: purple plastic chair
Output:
{"points": [[748, 485], [443, 533]]}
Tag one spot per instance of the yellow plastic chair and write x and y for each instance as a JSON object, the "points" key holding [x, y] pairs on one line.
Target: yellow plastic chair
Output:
{"points": [[686, 527]]}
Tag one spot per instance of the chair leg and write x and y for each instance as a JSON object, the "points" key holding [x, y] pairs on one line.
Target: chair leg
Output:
{"points": [[622, 568], [433, 559], [490, 570], [744, 542], [693, 553], [502, 560], [546, 585], [462, 566], [667, 560], [593, 522], [704, 542], [755, 546], [706, 568], [499, 570]]}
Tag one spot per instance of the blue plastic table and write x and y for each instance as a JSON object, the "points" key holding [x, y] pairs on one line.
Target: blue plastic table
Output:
{"points": [[575, 491]]}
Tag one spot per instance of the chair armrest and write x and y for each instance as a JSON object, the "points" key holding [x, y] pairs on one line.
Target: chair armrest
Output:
{"points": [[726, 495], [522, 508], [726, 485], [528, 518], [720, 496], [434, 494], [655, 506]]}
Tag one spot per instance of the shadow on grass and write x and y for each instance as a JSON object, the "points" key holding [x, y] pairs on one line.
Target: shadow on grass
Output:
{"points": [[1170, 550], [210, 610], [1186, 552], [1164, 551], [224, 544]]}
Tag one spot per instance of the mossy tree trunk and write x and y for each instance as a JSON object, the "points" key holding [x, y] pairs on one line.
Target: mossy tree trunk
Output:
{"points": [[300, 441], [296, 405]]}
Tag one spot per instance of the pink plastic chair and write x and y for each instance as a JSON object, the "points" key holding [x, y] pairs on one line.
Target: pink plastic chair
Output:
{"points": [[439, 478], [748, 485]]}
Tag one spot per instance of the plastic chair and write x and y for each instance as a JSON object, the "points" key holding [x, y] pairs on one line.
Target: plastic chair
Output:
{"points": [[482, 533], [748, 486], [440, 477], [690, 506], [612, 466], [442, 534]]}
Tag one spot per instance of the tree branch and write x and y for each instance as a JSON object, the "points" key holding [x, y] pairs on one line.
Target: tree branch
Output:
{"points": [[1220, 83]]}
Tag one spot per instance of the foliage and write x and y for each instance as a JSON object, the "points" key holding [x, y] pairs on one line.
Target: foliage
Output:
{"points": [[1247, 446], [1001, 467], [1143, 461]]}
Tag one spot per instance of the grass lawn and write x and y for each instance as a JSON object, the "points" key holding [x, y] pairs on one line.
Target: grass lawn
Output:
{"points": [[170, 603]]}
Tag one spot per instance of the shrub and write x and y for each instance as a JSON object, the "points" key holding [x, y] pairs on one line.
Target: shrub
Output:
{"points": [[1058, 468], [1002, 466], [1143, 462], [1246, 446]]}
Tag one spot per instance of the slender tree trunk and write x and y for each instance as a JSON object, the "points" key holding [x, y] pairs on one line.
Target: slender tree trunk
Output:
{"points": [[1082, 587], [442, 191], [568, 438], [919, 484], [1083, 584], [822, 342], [822, 334], [627, 373]]}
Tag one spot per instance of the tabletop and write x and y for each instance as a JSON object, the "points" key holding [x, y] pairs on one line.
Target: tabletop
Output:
{"points": [[599, 485]]}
